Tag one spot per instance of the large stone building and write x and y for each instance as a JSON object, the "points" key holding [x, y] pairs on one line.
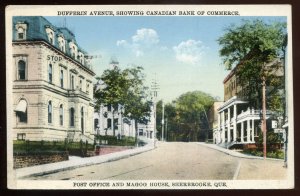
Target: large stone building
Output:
{"points": [[237, 122], [52, 83]]}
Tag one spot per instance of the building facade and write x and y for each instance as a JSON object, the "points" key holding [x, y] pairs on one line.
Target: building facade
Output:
{"points": [[237, 122], [213, 119], [52, 83]]}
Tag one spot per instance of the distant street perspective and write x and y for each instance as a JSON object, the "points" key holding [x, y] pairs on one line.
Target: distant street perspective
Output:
{"points": [[176, 161]]}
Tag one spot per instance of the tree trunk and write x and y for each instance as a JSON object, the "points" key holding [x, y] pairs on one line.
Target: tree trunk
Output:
{"points": [[136, 132]]}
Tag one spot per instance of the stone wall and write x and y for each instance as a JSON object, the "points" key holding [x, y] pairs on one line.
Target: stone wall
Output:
{"points": [[30, 159]]}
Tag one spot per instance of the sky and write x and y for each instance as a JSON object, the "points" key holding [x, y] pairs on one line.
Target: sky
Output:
{"points": [[180, 53]]}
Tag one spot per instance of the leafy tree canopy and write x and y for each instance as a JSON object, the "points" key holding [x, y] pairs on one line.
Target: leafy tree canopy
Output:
{"points": [[186, 116], [253, 48], [252, 39], [125, 88]]}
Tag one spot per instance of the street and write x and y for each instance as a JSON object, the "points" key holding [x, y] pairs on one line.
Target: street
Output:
{"points": [[176, 161]]}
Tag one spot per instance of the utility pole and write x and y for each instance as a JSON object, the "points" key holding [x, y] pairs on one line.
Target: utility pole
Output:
{"points": [[285, 115], [154, 88], [264, 125], [166, 129], [162, 121]]}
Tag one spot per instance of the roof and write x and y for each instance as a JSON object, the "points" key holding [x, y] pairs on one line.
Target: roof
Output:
{"points": [[36, 31]]}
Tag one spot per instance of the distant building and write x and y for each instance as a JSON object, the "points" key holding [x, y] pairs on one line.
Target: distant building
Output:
{"points": [[213, 120], [237, 122], [109, 120], [52, 83]]}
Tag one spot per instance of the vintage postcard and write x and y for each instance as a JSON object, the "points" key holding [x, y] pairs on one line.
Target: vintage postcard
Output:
{"points": [[149, 97]]}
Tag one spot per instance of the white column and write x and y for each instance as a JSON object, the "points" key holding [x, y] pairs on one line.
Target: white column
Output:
{"points": [[234, 122], [248, 130], [242, 131], [217, 135], [219, 121], [223, 127], [252, 130], [228, 124]]}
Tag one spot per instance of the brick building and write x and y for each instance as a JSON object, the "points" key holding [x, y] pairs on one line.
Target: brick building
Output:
{"points": [[238, 123]]}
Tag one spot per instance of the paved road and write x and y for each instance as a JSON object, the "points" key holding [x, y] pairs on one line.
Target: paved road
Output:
{"points": [[171, 161]]}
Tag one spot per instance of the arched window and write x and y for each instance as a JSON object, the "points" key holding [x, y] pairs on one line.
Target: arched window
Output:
{"points": [[21, 111], [61, 78], [50, 73], [72, 117], [61, 115], [21, 70], [51, 38], [82, 120], [21, 33], [49, 112], [62, 45]]}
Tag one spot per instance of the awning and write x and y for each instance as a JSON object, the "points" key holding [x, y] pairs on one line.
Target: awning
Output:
{"points": [[22, 106]]}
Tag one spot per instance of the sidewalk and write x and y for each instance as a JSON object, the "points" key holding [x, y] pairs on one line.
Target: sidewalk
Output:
{"points": [[253, 167], [75, 162], [235, 153]]}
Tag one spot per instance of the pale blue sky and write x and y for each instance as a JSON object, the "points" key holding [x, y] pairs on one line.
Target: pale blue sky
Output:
{"points": [[182, 52]]}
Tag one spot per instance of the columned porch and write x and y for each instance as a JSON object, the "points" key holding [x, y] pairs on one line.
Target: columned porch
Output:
{"points": [[237, 123]]}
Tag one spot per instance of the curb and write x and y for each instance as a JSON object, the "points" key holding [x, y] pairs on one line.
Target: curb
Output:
{"points": [[236, 154], [109, 158]]}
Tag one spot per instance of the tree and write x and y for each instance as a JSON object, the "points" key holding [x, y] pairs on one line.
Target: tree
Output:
{"points": [[187, 119], [253, 48], [192, 108], [137, 101], [113, 91], [125, 88], [250, 47]]}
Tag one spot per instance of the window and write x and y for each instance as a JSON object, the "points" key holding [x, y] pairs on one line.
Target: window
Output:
{"points": [[62, 45], [51, 38], [87, 88], [73, 53], [21, 70], [22, 117], [109, 107], [80, 85], [116, 106], [96, 122], [61, 115], [62, 78], [116, 124], [21, 28], [140, 132], [50, 73], [72, 117], [49, 112], [21, 136], [108, 123], [82, 118], [21, 111], [72, 82], [20, 33]]}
